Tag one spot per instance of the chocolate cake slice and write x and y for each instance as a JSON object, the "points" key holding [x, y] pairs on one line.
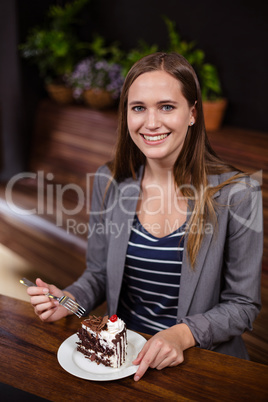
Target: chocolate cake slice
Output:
{"points": [[103, 340]]}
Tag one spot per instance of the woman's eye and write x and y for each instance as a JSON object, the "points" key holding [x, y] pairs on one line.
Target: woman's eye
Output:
{"points": [[138, 108], [167, 108]]}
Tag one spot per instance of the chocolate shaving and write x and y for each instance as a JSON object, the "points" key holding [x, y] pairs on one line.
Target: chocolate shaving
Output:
{"points": [[96, 323]]}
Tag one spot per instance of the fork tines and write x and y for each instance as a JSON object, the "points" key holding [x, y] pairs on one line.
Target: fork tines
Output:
{"points": [[72, 306]]}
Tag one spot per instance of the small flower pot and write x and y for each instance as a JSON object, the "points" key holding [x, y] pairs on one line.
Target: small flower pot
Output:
{"points": [[60, 93], [214, 113], [98, 98]]}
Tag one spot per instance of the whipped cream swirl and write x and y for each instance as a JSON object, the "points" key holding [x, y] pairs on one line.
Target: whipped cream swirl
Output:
{"points": [[115, 327]]}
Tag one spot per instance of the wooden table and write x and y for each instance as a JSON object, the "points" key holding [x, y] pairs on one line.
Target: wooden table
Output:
{"points": [[28, 362]]}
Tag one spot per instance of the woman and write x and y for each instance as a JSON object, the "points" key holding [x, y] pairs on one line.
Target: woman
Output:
{"points": [[177, 233]]}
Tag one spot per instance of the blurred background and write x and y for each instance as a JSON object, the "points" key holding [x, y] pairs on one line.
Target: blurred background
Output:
{"points": [[232, 33], [48, 42]]}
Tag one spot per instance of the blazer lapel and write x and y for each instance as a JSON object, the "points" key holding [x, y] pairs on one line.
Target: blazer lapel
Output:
{"points": [[190, 276], [122, 217]]}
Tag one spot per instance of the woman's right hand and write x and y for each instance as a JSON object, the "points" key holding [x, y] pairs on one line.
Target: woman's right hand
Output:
{"points": [[48, 310]]}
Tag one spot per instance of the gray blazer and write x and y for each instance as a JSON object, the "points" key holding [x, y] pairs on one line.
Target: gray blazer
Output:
{"points": [[220, 298]]}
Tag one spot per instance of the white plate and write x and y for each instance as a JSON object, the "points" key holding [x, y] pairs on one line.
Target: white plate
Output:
{"points": [[78, 365]]}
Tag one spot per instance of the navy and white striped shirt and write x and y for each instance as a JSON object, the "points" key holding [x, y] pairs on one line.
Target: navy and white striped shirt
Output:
{"points": [[150, 289]]}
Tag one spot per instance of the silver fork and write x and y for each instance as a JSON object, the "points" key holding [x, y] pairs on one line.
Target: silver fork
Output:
{"points": [[64, 301]]}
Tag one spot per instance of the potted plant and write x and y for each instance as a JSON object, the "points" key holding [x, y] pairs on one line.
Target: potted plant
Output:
{"points": [[97, 81], [55, 49], [214, 104]]}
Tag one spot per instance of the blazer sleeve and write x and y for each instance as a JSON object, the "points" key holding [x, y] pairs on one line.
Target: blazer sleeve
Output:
{"points": [[239, 299], [90, 288]]}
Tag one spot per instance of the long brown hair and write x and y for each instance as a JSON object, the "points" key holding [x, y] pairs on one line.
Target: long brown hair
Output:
{"points": [[196, 160]]}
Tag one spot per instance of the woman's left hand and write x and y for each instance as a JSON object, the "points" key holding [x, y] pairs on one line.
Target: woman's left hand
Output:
{"points": [[164, 349]]}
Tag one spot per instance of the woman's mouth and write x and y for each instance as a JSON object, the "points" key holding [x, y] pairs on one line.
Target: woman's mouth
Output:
{"points": [[153, 138]]}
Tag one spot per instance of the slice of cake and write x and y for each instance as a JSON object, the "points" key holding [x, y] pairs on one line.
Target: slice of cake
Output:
{"points": [[103, 340]]}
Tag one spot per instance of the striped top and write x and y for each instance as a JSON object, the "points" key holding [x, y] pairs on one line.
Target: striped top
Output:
{"points": [[150, 290]]}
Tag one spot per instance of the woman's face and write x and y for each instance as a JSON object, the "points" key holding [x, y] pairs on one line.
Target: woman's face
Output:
{"points": [[158, 116]]}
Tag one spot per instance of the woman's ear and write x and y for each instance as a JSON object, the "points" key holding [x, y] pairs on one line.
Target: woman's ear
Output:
{"points": [[193, 115]]}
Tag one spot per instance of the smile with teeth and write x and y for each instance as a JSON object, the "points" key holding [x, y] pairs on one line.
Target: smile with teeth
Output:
{"points": [[155, 137]]}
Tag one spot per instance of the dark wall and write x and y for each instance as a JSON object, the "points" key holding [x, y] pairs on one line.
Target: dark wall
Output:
{"points": [[233, 34], [11, 141]]}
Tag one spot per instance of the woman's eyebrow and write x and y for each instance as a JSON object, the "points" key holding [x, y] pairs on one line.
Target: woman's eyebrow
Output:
{"points": [[136, 103], [158, 103], [167, 101]]}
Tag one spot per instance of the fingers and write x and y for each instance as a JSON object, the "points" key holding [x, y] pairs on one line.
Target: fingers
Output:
{"points": [[158, 353], [49, 288], [39, 282], [42, 303], [146, 362], [146, 358], [44, 307], [36, 290], [47, 311], [141, 354], [156, 359]]}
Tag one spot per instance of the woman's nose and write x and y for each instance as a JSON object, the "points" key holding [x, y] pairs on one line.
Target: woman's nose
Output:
{"points": [[152, 120]]}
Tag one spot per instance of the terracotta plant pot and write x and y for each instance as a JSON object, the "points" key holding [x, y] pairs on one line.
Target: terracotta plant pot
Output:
{"points": [[98, 98], [214, 113], [60, 93]]}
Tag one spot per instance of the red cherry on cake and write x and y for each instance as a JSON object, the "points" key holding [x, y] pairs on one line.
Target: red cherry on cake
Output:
{"points": [[113, 318]]}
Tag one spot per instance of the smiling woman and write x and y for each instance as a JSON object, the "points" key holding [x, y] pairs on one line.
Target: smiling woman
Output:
{"points": [[158, 117], [164, 272]]}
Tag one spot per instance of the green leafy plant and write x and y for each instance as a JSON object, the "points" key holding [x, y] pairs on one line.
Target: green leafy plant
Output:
{"points": [[100, 50], [142, 49], [114, 54], [55, 48], [207, 73], [63, 17]]}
